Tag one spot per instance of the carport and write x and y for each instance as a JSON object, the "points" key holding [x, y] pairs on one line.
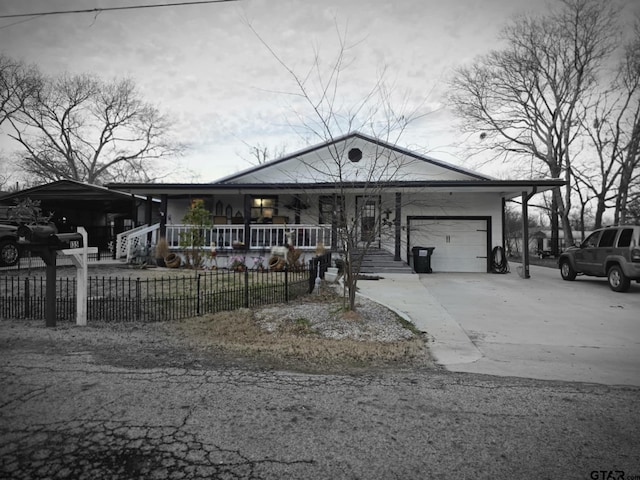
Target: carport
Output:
{"points": [[103, 212]]}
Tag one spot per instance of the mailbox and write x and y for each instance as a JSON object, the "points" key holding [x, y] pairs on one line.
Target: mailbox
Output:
{"points": [[36, 234], [62, 241], [47, 236]]}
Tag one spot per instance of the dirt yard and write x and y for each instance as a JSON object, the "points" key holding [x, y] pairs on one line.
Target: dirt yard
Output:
{"points": [[312, 334]]}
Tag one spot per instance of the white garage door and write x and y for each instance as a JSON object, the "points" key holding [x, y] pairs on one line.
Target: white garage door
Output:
{"points": [[461, 245]]}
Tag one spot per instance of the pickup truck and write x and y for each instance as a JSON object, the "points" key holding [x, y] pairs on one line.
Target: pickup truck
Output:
{"points": [[9, 250]]}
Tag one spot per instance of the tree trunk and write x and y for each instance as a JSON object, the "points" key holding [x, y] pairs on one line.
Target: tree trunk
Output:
{"points": [[600, 209]]}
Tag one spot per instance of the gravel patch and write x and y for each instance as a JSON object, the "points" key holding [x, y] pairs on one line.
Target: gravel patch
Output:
{"points": [[372, 322]]}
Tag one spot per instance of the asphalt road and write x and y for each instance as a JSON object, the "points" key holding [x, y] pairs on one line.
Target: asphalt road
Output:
{"points": [[86, 411]]}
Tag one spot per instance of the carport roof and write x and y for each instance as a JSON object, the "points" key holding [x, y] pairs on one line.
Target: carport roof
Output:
{"points": [[73, 191]]}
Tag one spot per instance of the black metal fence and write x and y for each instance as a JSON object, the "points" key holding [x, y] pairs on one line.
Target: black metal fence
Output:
{"points": [[116, 299]]}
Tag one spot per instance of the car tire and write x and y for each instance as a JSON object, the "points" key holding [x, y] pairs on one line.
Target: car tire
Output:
{"points": [[9, 253], [567, 271], [617, 279]]}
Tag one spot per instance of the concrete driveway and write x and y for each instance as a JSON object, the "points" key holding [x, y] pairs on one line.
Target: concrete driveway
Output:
{"points": [[541, 327]]}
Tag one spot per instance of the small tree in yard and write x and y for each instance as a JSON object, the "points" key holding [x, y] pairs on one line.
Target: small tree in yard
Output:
{"points": [[356, 187], [192, 241]]}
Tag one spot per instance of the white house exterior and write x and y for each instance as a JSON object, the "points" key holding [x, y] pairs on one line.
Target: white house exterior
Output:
{"points": [[400, 200]]}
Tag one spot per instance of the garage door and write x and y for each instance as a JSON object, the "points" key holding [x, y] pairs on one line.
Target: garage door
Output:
{"points": [[461, 245]]}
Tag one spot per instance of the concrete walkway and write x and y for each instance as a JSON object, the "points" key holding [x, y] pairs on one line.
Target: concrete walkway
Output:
{"points": [[541, 327], [405, 294]]}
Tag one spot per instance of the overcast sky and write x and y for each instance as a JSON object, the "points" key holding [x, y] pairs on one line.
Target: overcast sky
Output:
{"points": [[204, 66]]}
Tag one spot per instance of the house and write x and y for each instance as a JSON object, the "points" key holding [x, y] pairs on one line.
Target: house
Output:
{"points": [[541, 241], [397, 199]]}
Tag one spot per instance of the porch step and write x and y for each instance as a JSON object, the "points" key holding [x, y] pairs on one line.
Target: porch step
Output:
{"points": [[380, 261]]}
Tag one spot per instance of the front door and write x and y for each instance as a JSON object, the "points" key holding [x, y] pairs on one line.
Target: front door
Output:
{"points": [[368, 212]]}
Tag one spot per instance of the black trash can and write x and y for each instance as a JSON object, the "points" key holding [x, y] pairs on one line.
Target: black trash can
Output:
{"points": [[422, 259]]}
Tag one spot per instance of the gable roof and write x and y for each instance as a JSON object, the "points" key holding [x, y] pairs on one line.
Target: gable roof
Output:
{"points": [[329, 162]]}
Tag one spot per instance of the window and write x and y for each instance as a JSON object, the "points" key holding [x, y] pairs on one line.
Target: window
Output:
{"points": [[263, 207], [608, 236], [625, 237], [331, 207], [592, 240]]}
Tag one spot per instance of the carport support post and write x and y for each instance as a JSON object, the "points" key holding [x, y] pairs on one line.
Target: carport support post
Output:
{"points": [[525, 232]]}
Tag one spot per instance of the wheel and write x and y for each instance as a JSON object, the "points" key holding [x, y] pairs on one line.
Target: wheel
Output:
{"points": [[617, 279], [9, 253], [567, 271]]}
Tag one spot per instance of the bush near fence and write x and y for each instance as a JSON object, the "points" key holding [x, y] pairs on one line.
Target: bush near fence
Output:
{"points": [[115, 299]]}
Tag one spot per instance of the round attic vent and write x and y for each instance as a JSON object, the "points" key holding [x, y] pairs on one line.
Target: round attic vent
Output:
{"points": [[355, 155]]}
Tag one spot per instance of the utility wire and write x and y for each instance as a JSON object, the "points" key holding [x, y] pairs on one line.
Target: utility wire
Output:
{"points": [[105, 9]]}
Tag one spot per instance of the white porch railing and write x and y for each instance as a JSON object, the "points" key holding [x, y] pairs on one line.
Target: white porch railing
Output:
{"points": [[222, 236], [122, 240], [261, 236], [127, 242]]}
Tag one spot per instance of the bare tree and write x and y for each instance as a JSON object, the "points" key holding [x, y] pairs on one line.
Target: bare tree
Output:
{"points": [[611, 123], [524, 100], [82, 128], [260, 153], [18, 83], [323, 114], [629, 186]]}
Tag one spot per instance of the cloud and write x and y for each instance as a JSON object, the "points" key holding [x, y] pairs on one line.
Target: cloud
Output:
{"points": [[204, 66]]}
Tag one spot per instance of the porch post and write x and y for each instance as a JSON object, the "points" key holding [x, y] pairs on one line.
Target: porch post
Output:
{"points": [[334, 224], [247, 221], [398, 226], [147, 215], [164, 200], [134, 210], [296, 210]]}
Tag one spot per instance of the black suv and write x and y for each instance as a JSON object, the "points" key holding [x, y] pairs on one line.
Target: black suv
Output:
{"points": [[9, 250], [612, 252]]}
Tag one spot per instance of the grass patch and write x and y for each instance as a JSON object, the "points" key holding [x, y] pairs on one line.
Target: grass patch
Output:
{"points": [[408, 325], [294, 348]]}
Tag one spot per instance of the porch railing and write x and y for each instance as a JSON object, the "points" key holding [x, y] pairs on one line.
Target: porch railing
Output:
{"points": [[125, 240], [306, 237], [135, 239]]}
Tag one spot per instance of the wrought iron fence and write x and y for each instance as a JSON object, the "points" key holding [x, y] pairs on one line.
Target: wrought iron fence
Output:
{"points": [[116, 299]]}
